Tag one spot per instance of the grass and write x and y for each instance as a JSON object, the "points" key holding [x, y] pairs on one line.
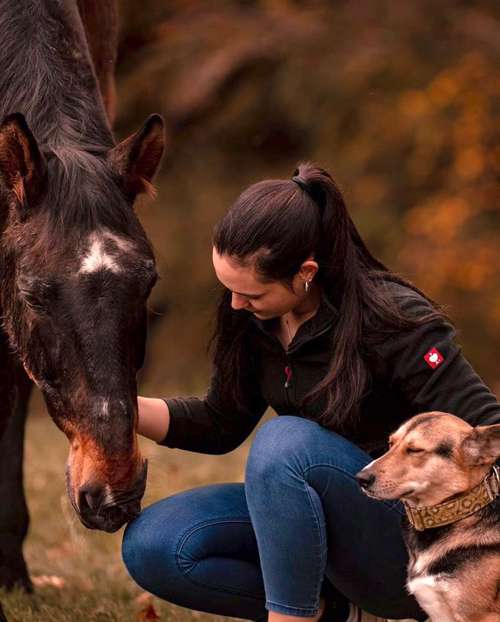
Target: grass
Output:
{"points": [[80, 574]]}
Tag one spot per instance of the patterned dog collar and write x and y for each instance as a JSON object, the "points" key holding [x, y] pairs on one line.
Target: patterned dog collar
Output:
{"points": [[451, 511]]}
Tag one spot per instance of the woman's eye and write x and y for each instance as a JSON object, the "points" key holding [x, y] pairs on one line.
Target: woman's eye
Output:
{"points": [[414, 450]]}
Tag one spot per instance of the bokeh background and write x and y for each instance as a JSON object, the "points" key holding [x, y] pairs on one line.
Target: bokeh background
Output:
{"points": [[400, 101]]}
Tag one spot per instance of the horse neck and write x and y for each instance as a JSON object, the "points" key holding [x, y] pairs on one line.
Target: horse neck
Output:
{"points": [[46, 73]]}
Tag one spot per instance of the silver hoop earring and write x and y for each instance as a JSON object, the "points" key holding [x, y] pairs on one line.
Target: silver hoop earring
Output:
{"points": [[306, 286]]}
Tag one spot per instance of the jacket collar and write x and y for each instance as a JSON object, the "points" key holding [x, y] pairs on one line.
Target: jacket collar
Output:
{"points": [[324, 318]]}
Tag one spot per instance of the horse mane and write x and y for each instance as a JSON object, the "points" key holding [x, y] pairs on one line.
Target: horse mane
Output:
{"points": [[55, 88]]}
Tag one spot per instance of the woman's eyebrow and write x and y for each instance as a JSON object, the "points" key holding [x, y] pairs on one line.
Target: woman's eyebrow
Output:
{"points": [[239, 293], [248, 295]]}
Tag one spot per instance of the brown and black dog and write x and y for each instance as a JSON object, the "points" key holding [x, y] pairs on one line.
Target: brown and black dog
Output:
{"points": [[444, 471]]}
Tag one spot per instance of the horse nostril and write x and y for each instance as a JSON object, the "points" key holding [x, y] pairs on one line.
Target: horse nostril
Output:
{"points": [[90, 497], [365, 480]]}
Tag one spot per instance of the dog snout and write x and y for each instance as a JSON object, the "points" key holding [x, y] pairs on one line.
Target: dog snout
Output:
{"points": [[365, 479]]}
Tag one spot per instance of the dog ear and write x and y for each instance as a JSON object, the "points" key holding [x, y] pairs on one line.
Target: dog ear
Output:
{"points": [[482, 445]]}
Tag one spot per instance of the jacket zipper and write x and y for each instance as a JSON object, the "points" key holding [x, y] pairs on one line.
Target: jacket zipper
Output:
{"points": [[288, 379]]}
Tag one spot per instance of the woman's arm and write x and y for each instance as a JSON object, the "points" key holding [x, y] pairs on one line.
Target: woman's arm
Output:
{"points": [[204, 425], [153, 418]]}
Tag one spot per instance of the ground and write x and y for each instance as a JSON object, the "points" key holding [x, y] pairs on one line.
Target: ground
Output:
{"points": [[80, 574]]}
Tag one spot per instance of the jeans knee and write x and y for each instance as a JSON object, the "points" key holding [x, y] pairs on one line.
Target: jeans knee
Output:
{"points": [[289, 444], [277, 443]]}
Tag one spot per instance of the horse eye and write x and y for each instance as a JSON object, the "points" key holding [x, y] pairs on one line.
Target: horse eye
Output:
{"points": [[32, 300]]}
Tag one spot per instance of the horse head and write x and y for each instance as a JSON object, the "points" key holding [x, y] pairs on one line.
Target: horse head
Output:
{"points": [[77, 270]]}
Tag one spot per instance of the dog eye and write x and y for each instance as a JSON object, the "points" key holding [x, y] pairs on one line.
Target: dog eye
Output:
{"points": [[414, 450]]}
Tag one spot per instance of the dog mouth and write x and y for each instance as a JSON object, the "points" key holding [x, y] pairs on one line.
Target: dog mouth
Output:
{"points": [[387, 493], [408, 493], [370, 493]]}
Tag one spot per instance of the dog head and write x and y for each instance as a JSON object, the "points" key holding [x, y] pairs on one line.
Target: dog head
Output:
{"points": [[431, 458]]}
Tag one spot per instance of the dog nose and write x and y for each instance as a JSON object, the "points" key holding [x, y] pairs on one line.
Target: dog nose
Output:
{"points": [[90, 497], [365, 480]]}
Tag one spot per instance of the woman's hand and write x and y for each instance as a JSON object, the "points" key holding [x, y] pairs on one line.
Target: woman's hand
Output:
{"points": [[153, 418]]}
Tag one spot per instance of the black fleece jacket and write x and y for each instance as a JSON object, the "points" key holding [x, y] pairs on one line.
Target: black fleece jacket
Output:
{"points": [[412, 372]]}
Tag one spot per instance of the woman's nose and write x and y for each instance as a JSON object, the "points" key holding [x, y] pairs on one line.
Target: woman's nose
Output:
{"points": [[238, 302]]}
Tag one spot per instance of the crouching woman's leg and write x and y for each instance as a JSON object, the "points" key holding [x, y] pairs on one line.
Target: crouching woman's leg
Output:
{"points": [[312, 521], [197, 549]]}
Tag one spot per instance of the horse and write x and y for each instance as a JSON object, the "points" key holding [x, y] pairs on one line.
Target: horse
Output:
{"points": [[76, 265]]}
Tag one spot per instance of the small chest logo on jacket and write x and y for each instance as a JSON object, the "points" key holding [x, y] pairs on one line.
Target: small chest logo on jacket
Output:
{"points": [[434, 358]]}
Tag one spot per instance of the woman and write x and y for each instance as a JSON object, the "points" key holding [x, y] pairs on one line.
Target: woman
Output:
{"points": [[313, 325]]}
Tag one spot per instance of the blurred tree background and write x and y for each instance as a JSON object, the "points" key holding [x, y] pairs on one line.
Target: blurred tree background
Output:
{"points": [[400, 101]]}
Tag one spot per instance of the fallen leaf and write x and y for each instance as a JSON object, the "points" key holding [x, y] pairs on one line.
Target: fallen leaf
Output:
{"points": [[53, 580]]}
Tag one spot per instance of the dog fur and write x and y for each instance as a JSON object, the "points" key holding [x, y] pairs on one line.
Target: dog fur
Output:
{"points": [[453, 570]]}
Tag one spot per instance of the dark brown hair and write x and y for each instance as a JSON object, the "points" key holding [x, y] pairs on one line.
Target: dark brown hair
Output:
{"points": [[292, 220]]}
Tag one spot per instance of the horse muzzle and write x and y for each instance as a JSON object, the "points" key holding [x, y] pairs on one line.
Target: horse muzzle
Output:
{"points": [[99, 506]]}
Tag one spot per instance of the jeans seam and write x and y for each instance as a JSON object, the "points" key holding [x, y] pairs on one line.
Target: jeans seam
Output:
{"points": [[189, 532], [387, 503], [322, 540]]}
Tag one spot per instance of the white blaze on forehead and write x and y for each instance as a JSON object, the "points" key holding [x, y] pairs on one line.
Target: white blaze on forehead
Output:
{"points": [[97, 258]]}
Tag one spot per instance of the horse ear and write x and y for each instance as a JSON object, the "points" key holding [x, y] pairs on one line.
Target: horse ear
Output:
{"points": [[137, 158], [22, 165], [482, 445]]}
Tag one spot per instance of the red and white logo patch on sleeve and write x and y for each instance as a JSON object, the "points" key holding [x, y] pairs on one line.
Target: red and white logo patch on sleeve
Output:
{"points": [[434, 358]]}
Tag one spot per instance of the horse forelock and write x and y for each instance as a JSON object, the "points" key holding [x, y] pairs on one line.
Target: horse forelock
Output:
{"points": [[83, 196]]}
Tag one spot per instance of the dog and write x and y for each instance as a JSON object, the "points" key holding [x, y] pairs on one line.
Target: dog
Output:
{"points": [[444, 472]]}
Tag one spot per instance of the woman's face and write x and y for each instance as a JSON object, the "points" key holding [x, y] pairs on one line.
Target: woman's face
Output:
{"points": [[265, 299]]}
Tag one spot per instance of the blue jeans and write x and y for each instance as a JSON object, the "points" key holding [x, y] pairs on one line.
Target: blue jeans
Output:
{"points": [[298, 527]]}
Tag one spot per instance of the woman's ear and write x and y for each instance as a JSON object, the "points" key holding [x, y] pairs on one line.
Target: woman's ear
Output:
{"points": [[308, 269]]}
